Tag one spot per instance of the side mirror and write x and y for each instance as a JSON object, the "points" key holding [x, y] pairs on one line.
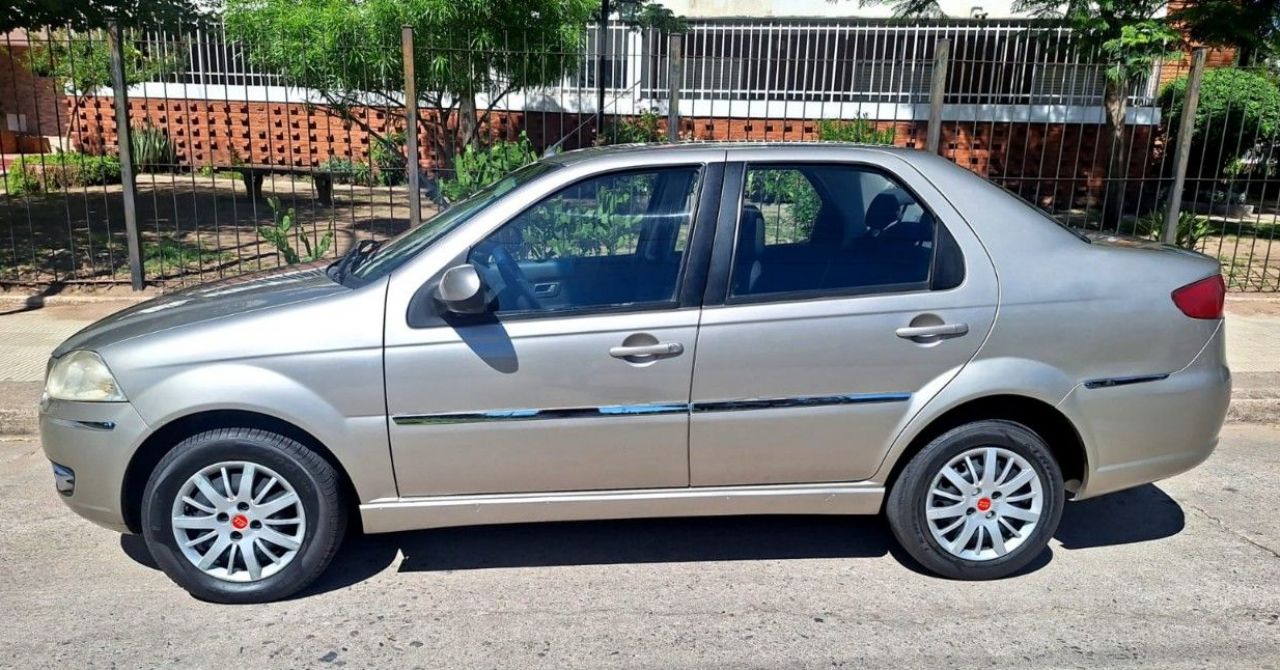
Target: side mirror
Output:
{"points": [[462, 291]]}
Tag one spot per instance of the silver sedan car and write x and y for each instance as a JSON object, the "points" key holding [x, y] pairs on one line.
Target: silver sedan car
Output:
{"points": [[652, 331]]}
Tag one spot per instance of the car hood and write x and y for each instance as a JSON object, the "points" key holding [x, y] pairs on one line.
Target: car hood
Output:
{"points": [[207, 302]]}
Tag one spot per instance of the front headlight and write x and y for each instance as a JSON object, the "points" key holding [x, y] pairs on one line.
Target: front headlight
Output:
{"points": [[82, 376]]}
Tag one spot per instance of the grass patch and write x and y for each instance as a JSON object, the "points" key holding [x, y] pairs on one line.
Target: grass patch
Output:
{"points": [[169, 255]]}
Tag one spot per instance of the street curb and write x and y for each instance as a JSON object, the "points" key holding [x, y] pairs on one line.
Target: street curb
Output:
{"points": [[37, 301]]}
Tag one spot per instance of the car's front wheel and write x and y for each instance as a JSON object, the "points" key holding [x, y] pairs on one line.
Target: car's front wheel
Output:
{"points": [[240, 515], [978, 502]]}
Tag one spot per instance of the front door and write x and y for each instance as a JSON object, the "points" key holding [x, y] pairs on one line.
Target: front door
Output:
{"points": [[846, 296], [579, 377]]}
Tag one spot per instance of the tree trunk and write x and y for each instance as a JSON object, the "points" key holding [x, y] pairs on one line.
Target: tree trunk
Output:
{"points": [[466, 121], [1245, 56], [1115, 100]]}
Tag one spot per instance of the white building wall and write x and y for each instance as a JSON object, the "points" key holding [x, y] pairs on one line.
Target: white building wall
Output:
{"points": [[708, 9]]}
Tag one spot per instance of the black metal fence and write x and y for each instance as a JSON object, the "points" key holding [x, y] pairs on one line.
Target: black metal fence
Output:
{"points": [[237, 168]]}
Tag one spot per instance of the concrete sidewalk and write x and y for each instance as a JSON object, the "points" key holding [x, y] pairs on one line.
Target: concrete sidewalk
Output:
{"points": [[28, 335]]}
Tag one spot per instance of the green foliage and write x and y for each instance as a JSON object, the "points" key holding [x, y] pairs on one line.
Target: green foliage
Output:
{"points": [[647, 15], [634, 130], [1238, 111], [1252, 27], [152, 151], [387, 154], [796, 201], [349, 51], [58, 171], [279, 233], [347, 171], [476, 168], [603, 220], [32, 14], [1130, 52], [1190, 227], [861, 131], [81, 61], [169, 255]]}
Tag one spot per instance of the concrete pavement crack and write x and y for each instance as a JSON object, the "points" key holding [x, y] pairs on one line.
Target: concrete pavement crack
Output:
{"points": [[1222, 524]]}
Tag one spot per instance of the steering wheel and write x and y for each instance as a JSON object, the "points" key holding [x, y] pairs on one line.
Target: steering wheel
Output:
{"points": [[512, 276]]}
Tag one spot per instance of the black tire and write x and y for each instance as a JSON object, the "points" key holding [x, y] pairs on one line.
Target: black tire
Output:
{"points": [[905, 507], [312, 478]]}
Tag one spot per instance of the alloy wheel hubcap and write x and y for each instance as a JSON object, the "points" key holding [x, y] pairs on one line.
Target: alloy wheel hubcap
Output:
{"points": [[238, 521], [984, 503]]}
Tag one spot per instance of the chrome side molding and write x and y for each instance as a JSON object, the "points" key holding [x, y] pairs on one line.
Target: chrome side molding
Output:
{"points": [[1109, 382], [647, 409]]}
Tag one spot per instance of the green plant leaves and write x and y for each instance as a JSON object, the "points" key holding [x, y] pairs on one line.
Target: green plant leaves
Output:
{"points": [[278, 235], [476, 168]]}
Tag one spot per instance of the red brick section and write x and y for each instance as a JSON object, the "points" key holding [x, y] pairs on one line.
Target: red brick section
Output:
{"points": [[1054, 163], [1059, 164], [1217, 57], [35, 97], [211, 132]]}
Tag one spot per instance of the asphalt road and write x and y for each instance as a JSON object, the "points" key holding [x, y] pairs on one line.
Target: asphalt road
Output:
{"points": [[1184, 574]]}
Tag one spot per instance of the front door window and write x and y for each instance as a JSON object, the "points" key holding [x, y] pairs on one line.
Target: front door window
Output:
{"points": [[612, 241]]}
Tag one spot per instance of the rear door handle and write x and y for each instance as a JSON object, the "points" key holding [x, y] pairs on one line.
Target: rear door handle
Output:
{"points": [[638, 351], [940, 330]]}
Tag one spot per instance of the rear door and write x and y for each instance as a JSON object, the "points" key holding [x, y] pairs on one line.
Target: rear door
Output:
{"points": [[843, 296]]}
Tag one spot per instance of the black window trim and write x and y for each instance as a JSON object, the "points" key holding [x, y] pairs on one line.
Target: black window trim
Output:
{"points": [[423, 312], [727, 240]]}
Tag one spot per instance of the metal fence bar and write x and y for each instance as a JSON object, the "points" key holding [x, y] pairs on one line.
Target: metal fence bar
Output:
{"points": [[1182, 150], [937, 89], [121, 99], [411, 128], [1018, 104], [674, 62]]}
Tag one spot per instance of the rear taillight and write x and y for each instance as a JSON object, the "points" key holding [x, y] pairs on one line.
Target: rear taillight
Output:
{"points": [[1202, 299]]}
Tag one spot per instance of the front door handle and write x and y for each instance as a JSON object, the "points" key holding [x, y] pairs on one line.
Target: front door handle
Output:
{"points": [[940, 330], [644, 350]]}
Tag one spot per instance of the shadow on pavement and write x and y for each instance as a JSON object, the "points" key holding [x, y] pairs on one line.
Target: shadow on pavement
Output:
{"points": [[608, 543], [36, 301], [1141, 514], [1138, 515]]}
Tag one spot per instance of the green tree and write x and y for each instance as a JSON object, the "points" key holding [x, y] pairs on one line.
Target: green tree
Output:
{"points": [[1252, 27], [468, 54], [83, 15], [1238, 115], [648, 15], [1125, 37], [81, 61]]}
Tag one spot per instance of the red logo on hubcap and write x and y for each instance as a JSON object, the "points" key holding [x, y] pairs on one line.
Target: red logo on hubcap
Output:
{"points": [[239, 521], [984, 504]]}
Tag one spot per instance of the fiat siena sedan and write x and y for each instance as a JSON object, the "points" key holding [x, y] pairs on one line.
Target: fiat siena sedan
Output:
{"points": [[652, 331]]}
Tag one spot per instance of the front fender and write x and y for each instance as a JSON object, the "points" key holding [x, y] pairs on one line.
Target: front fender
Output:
{"points": [[346, 420]]}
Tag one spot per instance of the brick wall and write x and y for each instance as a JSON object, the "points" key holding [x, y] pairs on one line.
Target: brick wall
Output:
{"points": [[1055, 163], [211, 132], [35, 97]]}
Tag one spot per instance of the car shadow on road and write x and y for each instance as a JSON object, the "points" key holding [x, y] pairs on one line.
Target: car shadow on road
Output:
{"points": [[1138, 515]]}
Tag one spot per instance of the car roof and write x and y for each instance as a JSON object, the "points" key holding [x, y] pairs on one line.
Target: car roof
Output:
{"points": [[731, 147]]}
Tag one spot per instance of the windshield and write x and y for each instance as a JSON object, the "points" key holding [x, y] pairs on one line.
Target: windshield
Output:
{"points": [[406, 245]]}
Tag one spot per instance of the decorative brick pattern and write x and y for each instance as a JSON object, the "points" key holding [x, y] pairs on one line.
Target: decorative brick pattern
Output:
{"points": [[1055, 163]]}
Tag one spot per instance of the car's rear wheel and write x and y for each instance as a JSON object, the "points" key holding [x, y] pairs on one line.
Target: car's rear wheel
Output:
{"points": [[979, 502], [241, 515]]}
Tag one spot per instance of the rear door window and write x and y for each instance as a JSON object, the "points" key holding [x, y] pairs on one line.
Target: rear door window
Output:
{"points": [[829, 229]]}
